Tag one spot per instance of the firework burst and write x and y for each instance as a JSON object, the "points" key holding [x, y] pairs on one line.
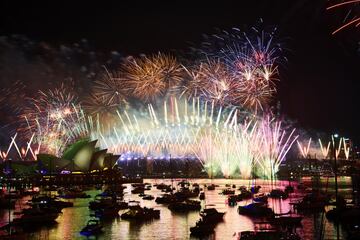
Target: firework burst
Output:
{"points": [[111, 87], [212, 81], [351, 18], [251, 59], [48, 116], [152, 77]]}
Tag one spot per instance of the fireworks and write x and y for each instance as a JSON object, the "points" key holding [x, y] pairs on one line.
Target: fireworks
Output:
{"points": [[51, 104], [109, 94], [215, 136], [324, 149], [304, 150], [350, 19], [208, 124], [31, 150], [51, 116], [111, 88], [211, 81], [152, 77], [250, 59], [276, 144]]}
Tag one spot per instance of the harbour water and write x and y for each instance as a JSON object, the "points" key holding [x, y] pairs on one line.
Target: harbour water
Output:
{"points": [[177, 226]]}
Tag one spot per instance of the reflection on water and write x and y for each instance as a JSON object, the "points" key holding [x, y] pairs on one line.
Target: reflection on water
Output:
{"points": [[174, 225]]}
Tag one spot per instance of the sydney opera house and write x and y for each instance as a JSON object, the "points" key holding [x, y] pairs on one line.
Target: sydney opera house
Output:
{"points": [[80, 159]]}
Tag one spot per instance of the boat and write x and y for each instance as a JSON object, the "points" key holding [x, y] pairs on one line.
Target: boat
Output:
{"points": [[167, 189], [232, 200], [139, 213], [35, 216], [138, 190], [202, 229], [228, 192], [49, 202], [255, 189], [108, 193], [186, 193], [92, 227], [245, 194], [242, 188], [260, 197], [268, 235], [184, 183], [71, 194], [211, 215], [108, 212], [188, 205], [205, 226], [166, 199], [287, 219], [314, 201], [211, 187], [148, 197], [256, 210], [135, 185], [260, 235], [278, 193], [162, 186], [104, 202], [43, 207]]}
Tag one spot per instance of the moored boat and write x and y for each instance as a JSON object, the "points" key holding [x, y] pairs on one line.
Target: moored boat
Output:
{"points": [[211, 215], [92, 227], [139, 213], [188, 205], [256, 210]]}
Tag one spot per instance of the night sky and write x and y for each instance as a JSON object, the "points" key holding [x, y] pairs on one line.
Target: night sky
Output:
{"points": [[319, 82]]}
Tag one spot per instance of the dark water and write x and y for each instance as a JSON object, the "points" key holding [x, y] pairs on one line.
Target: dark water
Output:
{"points": [[177, 226]]}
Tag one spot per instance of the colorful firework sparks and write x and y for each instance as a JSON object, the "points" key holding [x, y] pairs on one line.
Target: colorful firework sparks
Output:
{"points": [[111, 87], [222, 142], [251, 59], [55, 103], [324, 149], [347, 148], [51, 116], [52, 134], [211, 81], [152, 77], [215, 136], [304, 150], [209, 124], [29, 152], [351, 19], [338, 148], [276, 144]]}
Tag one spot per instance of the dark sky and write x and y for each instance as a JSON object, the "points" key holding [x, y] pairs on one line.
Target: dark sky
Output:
{"points": [[319, 83]]}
